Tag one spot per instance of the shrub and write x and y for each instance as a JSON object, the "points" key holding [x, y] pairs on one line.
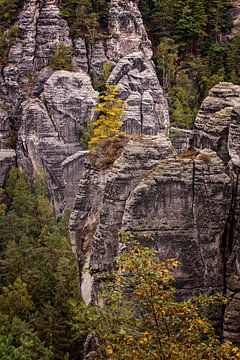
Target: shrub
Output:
{"points": [[62, 58]]}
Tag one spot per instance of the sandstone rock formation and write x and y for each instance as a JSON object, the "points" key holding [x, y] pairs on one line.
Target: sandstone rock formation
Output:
{"points": [[101, 200], [217, 127], [212, 125], [189, 203], [50, 131], [46, 109], [180, 138]]}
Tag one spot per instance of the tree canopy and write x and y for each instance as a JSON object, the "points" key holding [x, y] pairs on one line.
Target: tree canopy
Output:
{"points": [[136, 315]]}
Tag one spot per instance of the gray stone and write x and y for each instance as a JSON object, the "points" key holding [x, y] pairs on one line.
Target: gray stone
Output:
{"points": [[69, 98], [212, 124], [127, 32], [100, 204], [147, 109], [7, 160], [180, 139], [50, 132]]}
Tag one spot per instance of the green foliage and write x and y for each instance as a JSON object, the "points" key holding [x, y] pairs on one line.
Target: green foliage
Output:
{"points": [[9, 11], [62, 58], [190, 37], [18, 341], [8, 15], [233, 65], [166, 58], [85, 17], [38, 272], [3, 48], [87, 134], [137, 317]]}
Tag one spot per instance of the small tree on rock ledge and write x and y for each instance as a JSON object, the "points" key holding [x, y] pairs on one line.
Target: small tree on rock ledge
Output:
{"points": [[107, 139]]}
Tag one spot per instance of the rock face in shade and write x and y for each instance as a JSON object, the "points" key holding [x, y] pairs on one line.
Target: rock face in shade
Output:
{"points": [[183, 203], [7, 160], [101, 200], [180, 138], [61, 101], [50, 131], [218, 127]]}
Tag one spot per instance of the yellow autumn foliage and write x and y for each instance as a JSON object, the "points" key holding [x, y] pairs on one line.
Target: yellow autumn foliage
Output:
{"points": [[109, 122]]}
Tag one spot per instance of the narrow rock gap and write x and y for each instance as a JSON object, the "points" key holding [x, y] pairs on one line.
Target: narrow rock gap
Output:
{"points": [[227, 242], [52, 121], [141, 114], [39, 9]]}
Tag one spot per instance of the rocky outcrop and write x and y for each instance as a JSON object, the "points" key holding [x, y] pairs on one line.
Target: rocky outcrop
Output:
{"points": [[50, 131], [211, 129], [41, 30], [128, 34], [182, 203], [189, 203], [7, 160], [217, 127], [101, 202], [147, 110], [235, 12], [48, 109], [180, 138]]}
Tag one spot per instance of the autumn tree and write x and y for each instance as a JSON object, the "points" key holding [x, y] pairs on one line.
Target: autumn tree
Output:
{"points": [[137, 317], [106, 138]]}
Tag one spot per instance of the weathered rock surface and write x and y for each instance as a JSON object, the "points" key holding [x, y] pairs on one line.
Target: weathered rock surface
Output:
{"points": [[180, 138], [218, 127], [183, 203], [100, 203], [48, 108], [146, 111], [189, 204], [7, 160], [41, 30], [128, 34], [212, 124], [235, 12], [50, 132]]}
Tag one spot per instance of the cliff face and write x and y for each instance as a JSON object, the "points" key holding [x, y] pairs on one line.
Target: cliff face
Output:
{"points": [[188, 203], [217, 127], [45, 109]]}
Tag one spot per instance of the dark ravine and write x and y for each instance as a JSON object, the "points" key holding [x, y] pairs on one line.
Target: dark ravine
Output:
{"points": [[188, 200]]}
